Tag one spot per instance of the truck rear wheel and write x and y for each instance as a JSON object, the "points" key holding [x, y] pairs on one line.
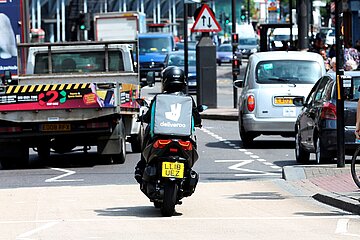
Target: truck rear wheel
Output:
{"points": [[14, 155], [120, 158], [137, 140], [43, 152]]}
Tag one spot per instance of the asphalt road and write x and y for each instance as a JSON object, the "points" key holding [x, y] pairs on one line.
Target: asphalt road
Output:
{"points": [[240, 196]]}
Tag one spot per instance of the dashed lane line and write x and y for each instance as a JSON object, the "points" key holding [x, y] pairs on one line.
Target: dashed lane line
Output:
{"points": [[246, 152]]}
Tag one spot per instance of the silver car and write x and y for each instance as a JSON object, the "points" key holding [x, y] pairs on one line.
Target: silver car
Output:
{"points": [[272, 80]]}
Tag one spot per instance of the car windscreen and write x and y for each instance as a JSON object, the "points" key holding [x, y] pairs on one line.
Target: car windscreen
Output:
{"points": [[178, 60], [248, 41], [225, 48], [156, 44], [288, 71], [78, 62], [281, 37]]}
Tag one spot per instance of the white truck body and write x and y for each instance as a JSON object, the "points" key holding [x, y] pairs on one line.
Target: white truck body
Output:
{"points": [[54, 106], [119, 25]]}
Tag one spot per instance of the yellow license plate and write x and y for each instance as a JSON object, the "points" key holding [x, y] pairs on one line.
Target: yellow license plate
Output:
{"points": [[283, 100], [172, 170], [55, 127]]}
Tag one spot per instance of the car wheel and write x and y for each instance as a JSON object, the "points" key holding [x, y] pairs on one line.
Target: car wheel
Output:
{"points": [[246, 137], [320, 153], [301, 155]]}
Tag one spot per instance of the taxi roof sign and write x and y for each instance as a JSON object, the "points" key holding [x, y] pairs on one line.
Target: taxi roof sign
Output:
{"points": [[206, 21]]}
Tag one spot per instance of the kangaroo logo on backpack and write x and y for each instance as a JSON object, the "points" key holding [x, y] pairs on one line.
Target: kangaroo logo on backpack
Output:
{"points": [[174, 115]]}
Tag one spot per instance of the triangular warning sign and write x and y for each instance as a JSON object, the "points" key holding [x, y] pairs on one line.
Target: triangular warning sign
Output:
{"points": [[206, 21]]}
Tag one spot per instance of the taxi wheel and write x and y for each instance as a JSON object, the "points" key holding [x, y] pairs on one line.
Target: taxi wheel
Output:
{"points": [[320, 155], [300, 154]]}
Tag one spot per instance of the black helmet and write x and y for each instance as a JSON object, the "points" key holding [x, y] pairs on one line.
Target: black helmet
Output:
{"points": [[173, 79]]}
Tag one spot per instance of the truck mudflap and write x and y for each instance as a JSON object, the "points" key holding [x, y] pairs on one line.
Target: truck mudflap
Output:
{"points": [[68, 96]]}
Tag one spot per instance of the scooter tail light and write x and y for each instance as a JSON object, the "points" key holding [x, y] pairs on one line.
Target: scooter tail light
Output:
{"points": [[251, 103], [161, 143], [328, 111], [186, 145]]}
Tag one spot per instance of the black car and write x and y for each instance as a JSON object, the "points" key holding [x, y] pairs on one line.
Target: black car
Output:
{"points": [[315, 127]]}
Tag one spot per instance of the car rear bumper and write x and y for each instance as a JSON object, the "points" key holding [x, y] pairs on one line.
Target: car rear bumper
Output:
{"points": [[273, 125], [329, 139]]}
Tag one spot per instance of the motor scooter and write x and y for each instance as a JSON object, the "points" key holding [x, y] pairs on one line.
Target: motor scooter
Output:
{"points": [[168, 175]]}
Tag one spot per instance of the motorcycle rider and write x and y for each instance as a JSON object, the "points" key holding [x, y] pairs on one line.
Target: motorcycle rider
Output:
{"points": [[173, 82]]}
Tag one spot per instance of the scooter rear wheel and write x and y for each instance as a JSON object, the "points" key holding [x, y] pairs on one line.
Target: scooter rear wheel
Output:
{"points": [[168, 206]]}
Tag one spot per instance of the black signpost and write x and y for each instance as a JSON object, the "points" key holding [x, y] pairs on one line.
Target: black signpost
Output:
{"points": [[205, 22], [234, 47], [339, 31]]}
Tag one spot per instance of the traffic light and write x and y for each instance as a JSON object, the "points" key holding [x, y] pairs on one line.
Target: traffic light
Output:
{"points": [[84, 21], [235, 39], [243, 15], [236, 66], [221, 17], [227, 20]]}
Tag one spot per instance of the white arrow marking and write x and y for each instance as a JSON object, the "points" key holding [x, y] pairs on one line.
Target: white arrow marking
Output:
{"points": [[251, 172], [67, 173], [25, 236], [341, 226]]}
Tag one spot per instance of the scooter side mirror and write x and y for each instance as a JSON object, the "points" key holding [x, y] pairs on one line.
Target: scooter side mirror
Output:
{"points": [[142, 102], [202, 108]]}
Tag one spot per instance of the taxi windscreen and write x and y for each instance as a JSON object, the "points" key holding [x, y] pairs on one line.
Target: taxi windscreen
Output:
{"points": [[288, 71]]}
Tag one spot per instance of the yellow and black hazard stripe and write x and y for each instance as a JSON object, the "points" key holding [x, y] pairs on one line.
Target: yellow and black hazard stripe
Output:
{"points": [[46, 87]]}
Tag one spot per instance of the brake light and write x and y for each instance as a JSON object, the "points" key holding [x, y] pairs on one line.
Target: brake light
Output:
{"points": [[186, 145], [328, 111], [251, 103], [161, 143], [10, 129]]}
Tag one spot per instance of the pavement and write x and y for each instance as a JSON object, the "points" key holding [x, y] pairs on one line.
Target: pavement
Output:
{"points": [[328, 184]]}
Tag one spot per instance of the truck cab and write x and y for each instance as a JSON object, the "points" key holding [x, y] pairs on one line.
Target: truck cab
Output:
{"points": [[153, 48]]}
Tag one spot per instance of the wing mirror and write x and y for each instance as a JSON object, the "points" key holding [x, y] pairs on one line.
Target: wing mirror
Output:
{"points": [[142, 102], [298, 101], [239, 83]]}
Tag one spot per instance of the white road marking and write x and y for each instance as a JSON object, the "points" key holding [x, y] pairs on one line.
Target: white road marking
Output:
{"points": [[342, 226], [107, 219], [24, 236], [248, 172], [250, 154], [67, 173]]}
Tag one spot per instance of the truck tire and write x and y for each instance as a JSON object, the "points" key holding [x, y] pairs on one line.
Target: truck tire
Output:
{"points": [[14, 155], [43, 152], [137, 140], [23, 160], [120, 158], [6, 163]]}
